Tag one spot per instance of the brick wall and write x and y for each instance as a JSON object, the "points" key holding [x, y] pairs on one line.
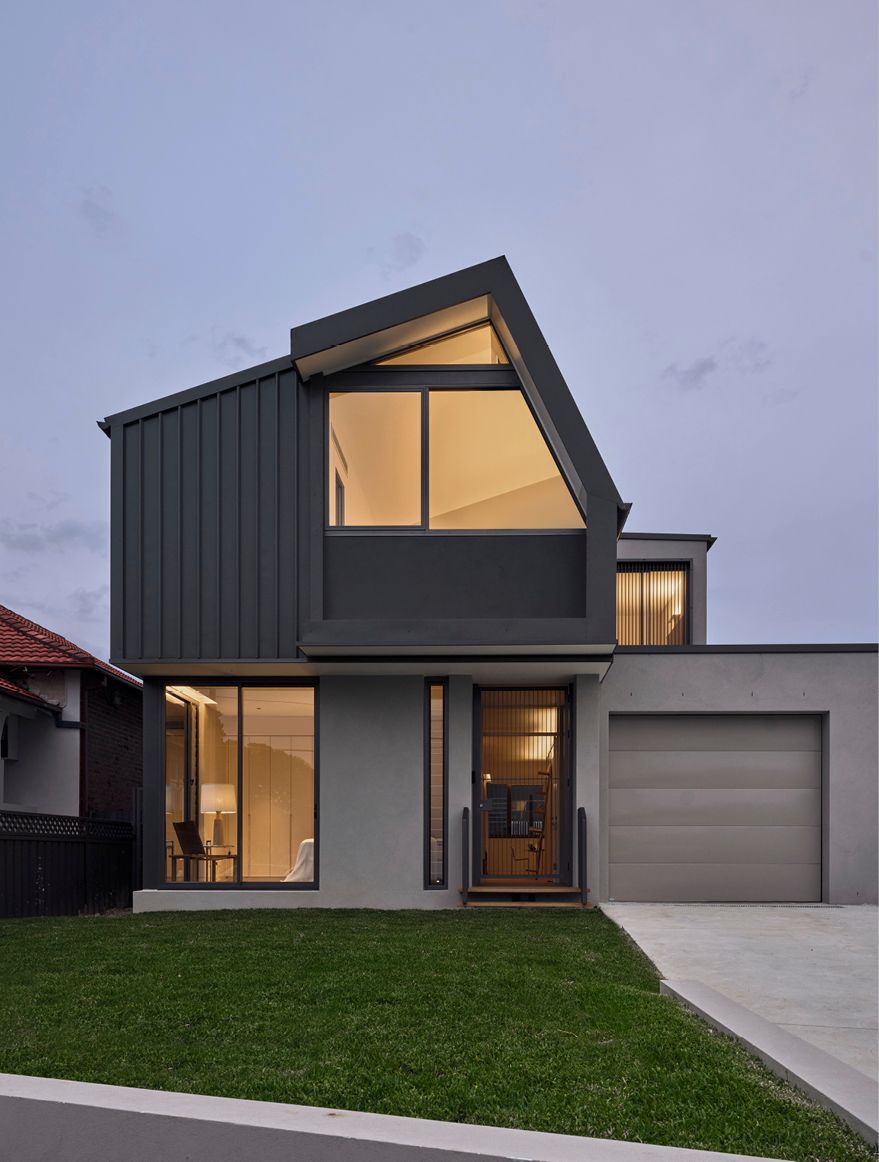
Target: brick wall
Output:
{"points": [[113, 757]]}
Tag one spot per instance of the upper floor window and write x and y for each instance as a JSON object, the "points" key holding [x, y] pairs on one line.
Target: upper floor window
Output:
{"points": [[375, 458], [442, 459], [652, 602]]}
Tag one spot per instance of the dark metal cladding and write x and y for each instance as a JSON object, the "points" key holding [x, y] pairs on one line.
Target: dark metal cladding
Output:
{"points": [[204, 523]]}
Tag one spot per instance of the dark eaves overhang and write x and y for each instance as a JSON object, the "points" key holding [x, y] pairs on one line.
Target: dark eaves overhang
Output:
{"points": [[705, 537], [485, 292]]}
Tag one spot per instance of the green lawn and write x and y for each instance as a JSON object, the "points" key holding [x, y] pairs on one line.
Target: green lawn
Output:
{"points": [[544, 1020]]}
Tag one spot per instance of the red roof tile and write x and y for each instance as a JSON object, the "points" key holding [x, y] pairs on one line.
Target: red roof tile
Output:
{"points": [[24, 643]]}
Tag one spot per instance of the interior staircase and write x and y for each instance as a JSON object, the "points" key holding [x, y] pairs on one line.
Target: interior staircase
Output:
{"points": [[522, 895]]}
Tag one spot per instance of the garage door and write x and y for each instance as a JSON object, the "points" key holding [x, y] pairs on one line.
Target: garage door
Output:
{"points": [[715, 807]]}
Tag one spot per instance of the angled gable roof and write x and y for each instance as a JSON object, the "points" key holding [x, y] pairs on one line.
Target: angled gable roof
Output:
{"points": [[486, 292]]}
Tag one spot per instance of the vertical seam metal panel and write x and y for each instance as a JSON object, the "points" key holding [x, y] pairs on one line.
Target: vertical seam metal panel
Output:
{"points": [[140, 541], [276, 555], [236, 605], [198, 565], [179, 532], [117, 540], [257, 498], [219, 646]]}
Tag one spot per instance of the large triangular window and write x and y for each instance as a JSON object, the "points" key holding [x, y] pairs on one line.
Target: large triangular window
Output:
{"points": [[473, 345], [488, 465]]}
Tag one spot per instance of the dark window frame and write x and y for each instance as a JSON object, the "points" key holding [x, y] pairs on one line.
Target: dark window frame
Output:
{"points": [[643, 567], [239, 884], [424, 380], [340, 501], [443, 684]]}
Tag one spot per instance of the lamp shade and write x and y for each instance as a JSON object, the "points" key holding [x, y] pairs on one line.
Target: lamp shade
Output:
{"points": [[218, 797]]}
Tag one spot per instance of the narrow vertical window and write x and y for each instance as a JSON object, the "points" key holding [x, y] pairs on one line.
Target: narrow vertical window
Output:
{"points": [[652, 600], [436, 771]]}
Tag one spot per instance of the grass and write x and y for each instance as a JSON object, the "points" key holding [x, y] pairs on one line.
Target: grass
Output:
{"points": [[541, 1020]]}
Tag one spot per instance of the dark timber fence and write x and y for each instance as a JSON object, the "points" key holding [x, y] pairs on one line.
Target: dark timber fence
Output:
{"points": [[61, 865]]}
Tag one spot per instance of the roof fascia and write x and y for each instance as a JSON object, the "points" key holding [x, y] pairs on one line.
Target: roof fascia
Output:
{"points": [[706, 537], [191, 394]]}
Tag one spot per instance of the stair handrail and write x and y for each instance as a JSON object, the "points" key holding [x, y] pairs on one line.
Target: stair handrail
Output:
{"points": [[581, 855], [465, 853]]}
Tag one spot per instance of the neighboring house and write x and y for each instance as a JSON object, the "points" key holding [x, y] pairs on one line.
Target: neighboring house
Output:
{"points": [[70, 726], [375, 589]]}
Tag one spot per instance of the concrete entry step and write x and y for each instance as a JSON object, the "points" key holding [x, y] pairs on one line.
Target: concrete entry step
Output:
{"points": [[522, 895], [523, 889], [522, 904]]}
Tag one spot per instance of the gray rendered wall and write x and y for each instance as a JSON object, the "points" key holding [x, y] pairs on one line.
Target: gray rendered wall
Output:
{"points": [[694, 551], [587, 780], [841, 686], [371, 838]]}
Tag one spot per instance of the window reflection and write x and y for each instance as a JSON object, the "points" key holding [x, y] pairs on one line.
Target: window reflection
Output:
{"points": [[216, 791]]}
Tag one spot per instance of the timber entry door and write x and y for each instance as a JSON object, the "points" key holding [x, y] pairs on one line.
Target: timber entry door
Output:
{"points": [[522, 785]]}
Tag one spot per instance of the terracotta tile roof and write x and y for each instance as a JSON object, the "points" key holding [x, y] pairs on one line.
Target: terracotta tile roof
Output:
{"points": [[24, 643], [7, 686]]}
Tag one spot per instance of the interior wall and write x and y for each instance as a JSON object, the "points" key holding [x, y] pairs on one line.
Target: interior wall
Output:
{"points": [[543, 504]]}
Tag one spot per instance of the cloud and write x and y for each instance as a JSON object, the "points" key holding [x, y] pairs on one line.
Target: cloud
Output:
{"points": [[405, 250], [749, 356], [95, 210], [802, 85], [30, 537], [738, 356], [50, 499], [230, 346], [781, 395], [694, 376], [89, 604]]}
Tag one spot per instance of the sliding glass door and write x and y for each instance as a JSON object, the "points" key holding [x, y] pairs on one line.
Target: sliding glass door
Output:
{"points": [[240, 784]]}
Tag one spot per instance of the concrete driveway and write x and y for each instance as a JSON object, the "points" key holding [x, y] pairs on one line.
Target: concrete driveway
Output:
{"points": [[811, 970]]}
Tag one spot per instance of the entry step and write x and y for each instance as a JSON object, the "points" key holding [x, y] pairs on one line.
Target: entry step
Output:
{"points": [[522, 895]]}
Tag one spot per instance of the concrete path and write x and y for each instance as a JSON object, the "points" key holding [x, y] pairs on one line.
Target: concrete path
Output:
{"points": [[810, 970]]}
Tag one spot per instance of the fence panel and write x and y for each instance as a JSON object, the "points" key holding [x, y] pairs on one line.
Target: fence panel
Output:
{"points": [[63, 865]]}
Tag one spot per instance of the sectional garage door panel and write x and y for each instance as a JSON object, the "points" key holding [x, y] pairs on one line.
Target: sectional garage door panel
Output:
{"points": [[715, 732], [701, 769], [719, 883], [715, 808], [703, 806]]}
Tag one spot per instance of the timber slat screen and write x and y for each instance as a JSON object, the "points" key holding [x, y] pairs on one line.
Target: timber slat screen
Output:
{"points": [[63, 865], [523, 758], [652, 602]]}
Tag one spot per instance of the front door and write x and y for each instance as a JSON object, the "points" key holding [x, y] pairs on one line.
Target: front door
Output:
{"points": [[522, 788]]}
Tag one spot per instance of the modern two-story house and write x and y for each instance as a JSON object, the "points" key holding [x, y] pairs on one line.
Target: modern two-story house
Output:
{"points": [[398, 651]]}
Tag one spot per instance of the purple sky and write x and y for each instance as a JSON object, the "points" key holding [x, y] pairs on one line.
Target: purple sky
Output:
{"points": [[686, 190]]}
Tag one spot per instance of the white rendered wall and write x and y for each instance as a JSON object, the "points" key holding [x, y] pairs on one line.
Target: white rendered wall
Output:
{"points": [[45, 776]]}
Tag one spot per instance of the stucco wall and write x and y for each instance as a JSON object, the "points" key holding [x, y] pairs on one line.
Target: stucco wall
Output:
{"points": [[371, 795], [841, 686], [45, 777]]}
